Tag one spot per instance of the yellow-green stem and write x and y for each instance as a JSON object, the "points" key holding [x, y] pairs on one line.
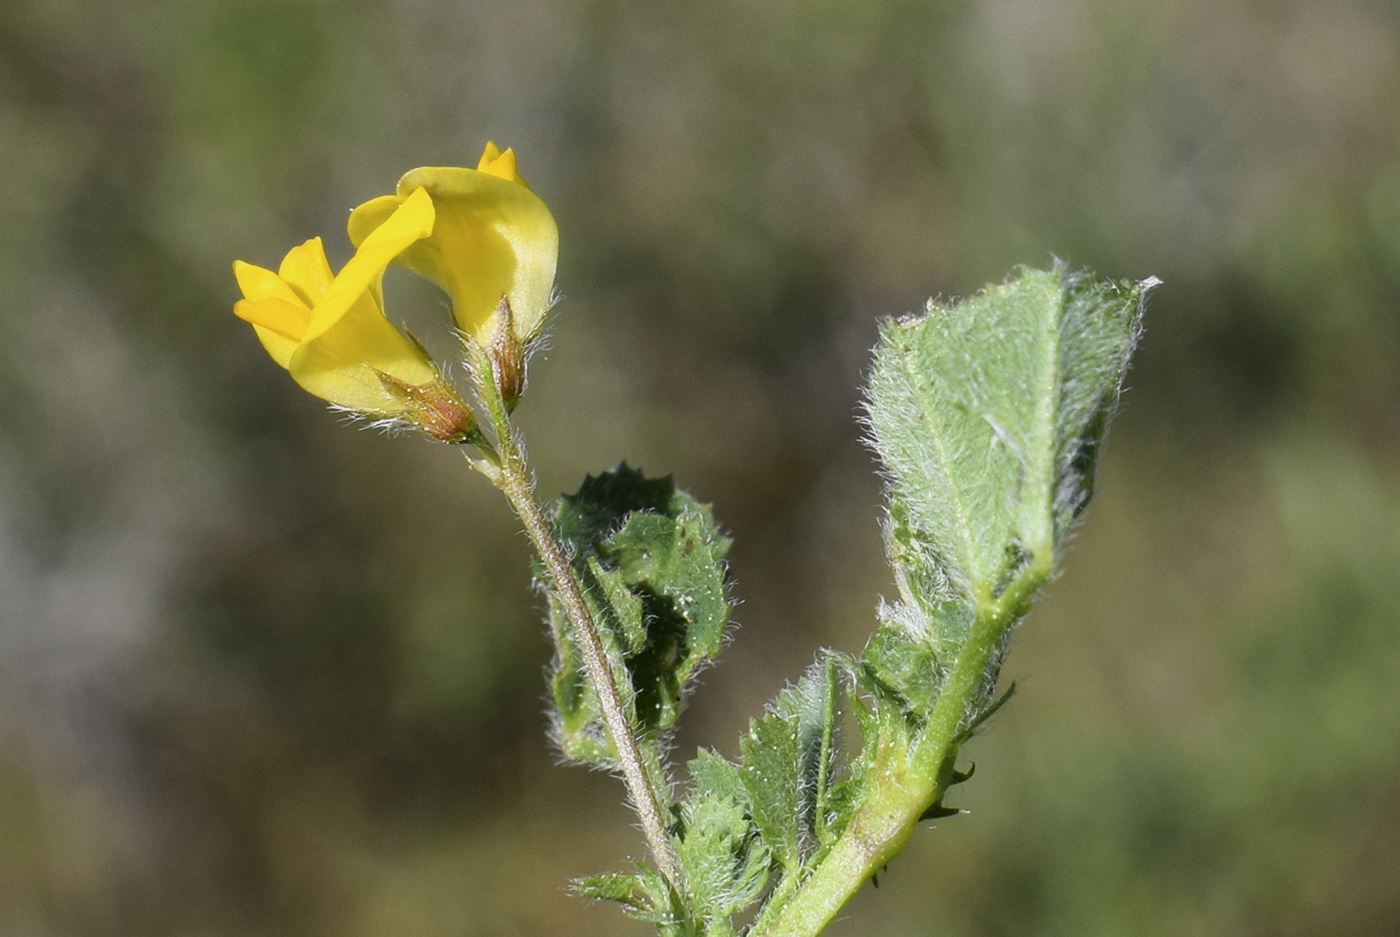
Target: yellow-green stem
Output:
{"points": [[906, 788]]}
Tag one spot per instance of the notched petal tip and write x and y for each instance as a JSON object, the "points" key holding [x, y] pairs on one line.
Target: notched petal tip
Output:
{"points": [[489, 154], [501, 164]]}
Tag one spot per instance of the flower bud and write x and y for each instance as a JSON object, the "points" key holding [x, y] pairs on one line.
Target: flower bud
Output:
{"points": [[507, 354], [434, 408]]}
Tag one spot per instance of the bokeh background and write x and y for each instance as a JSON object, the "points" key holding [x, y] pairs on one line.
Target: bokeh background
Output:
{"points": [[265, 674]]}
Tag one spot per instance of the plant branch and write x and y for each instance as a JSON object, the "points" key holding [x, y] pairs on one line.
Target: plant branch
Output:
{"points": [[906, 783]]}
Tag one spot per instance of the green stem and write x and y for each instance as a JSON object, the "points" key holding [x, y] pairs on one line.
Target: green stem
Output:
{"points": [[906, 784], [512, 476]]}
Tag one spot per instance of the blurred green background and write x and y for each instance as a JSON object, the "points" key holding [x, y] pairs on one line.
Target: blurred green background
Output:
{"points": [[264, 674]]}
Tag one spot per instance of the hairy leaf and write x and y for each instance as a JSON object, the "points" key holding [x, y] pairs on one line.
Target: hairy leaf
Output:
{"points": [[789, 763], [988, 415], [906, 667], [713, 774], [643, 894], [726, 864], [652, 566]]}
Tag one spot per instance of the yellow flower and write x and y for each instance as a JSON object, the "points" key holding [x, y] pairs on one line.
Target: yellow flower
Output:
{"points": [[495, 240], [331, 335]]}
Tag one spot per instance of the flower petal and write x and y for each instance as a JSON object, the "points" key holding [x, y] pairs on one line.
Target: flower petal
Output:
{"points": [[364, 219], [413, 220], [258, 283], [279, 347], [493, 239], [340, 364], [331, 334], [498, 164], [307, 271], [278, 315]]}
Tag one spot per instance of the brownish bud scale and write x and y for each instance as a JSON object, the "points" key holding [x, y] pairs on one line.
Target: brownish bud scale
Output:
{"points": [[436, 409], [507, 355]]}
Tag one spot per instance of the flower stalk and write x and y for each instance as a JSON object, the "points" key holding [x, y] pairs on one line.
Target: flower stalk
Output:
{"points": [[510, 473]]}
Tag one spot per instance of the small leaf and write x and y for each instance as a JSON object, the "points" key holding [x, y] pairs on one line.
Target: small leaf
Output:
{"points": [[770, 777], [577, 720], [885, 736], [713, 774], [622, 887], [625, 610], [789, 765], [652, 566], [675, 565], [643, 894], [908, 668], [725, 863], [988, 415]]}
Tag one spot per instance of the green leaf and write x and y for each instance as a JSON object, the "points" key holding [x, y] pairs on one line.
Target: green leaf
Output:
{"points": [[771, 779], [674, 564], [988, 415], [643, 894], [651, 562], [885, 739], [623, 887], [712, 774], [625, 611], [598, 508], [789, 766], [931, 612], [905, 667], [577, 719], [1100, 322], [726, 865]]}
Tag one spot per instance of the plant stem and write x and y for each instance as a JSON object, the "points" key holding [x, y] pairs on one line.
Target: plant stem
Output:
{"points": [[512, 476], [909, 783]]}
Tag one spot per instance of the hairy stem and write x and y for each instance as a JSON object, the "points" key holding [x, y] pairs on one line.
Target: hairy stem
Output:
{"points": [[512, 476]]}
